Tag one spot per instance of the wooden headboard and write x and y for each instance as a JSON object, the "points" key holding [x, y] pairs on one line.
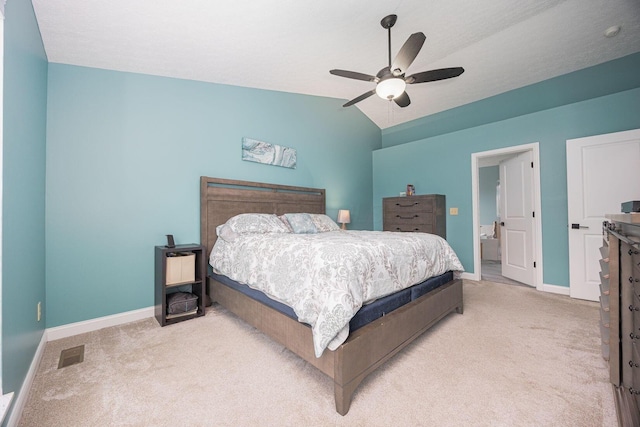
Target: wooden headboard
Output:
{"points": [[221, 199]]}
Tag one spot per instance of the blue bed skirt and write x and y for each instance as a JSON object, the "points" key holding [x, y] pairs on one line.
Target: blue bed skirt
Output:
{"points": [[366, 314]]}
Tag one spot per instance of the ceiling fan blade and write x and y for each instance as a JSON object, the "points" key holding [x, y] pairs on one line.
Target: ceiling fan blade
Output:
{"points": [[402, 100], [353, 75], [407, 53], [433, 75], [360, 98]]}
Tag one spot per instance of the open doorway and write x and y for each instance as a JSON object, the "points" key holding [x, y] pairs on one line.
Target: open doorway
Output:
{"points": [[507, 249]]}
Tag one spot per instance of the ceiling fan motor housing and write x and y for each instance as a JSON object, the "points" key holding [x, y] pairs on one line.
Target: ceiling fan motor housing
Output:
{"points": [[389, 21]]}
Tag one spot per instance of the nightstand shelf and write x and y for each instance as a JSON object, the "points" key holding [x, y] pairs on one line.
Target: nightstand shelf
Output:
{"points": [[175, 274]]}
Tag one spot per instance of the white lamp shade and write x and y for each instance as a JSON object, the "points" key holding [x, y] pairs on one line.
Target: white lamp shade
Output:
{"points": [[344, 216], [390, 88]]}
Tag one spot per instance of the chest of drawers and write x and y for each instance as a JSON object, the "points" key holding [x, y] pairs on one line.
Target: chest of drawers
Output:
{"points": [[620, 303], [424, 213]]}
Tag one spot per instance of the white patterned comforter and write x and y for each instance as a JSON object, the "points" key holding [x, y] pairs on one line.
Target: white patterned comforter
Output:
{"points": [[327, 277]]}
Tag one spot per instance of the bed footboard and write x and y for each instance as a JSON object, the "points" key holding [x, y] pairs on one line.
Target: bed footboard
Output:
{"points": [[369, 347], [365, 349]]}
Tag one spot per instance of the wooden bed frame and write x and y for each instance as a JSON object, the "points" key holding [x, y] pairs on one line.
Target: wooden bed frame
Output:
{"points": [[365, 349]]}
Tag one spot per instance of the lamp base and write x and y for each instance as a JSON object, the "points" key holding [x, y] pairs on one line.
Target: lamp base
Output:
{"points": [[344, 226]]}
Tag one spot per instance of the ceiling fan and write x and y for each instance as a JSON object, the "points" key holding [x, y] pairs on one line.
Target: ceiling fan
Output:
{"points": [[391, 81]]}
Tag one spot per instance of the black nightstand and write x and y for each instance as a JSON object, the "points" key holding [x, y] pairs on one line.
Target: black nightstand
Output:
{"points": [[174, 274]]}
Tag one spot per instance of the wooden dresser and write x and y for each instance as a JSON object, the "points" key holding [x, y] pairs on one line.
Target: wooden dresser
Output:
{"points": [[620, 312], [425, 213]]}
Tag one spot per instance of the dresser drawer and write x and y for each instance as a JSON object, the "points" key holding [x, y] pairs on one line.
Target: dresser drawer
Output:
{"points": [[604, 268], [604, 299], [415, 228], [635, 363], [605, 333], [604, 284], [634, 386], [409, 204], [633, 331], [605, 317], [606, 349], [632, 281], [410, 219]]}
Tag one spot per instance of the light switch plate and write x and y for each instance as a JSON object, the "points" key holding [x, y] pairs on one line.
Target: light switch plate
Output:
{"points": [[453, 211]]}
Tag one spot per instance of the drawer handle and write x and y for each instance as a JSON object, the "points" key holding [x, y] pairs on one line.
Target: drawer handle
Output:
{"points": [[400, 229], [416, 203], [633, 336], [633, 252], [633, 364], [632, 308], [407, 217], [631, 279], [634, 391]]}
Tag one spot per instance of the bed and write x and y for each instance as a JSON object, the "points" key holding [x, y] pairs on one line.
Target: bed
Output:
{"points": [[366, 348]]}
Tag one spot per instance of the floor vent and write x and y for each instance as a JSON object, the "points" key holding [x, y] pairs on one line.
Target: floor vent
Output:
{"points": [[71, 356]]}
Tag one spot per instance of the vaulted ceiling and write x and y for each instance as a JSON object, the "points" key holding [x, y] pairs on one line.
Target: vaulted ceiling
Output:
{"points": [[290, 45]]}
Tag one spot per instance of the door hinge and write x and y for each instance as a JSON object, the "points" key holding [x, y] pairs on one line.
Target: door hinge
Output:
{"points": [[534, 214], [534, 264], [531, 164]]}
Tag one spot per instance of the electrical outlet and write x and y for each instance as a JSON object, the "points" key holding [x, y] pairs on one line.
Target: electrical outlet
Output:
{"points": [[453, 211], [39, 311]]}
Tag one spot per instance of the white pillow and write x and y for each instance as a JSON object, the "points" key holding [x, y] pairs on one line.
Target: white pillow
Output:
{"points": [[226, 233], [324, 223], [256, 223]]}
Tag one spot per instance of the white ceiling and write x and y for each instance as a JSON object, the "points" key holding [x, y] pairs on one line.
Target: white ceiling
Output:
{"points": [[290, 45]]}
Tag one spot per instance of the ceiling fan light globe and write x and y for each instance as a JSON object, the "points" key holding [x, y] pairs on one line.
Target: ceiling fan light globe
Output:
{"points": [[391, 88]]}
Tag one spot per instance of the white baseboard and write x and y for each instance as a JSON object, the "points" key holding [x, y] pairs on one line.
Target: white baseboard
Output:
{"points": [[5, 403], [23, 394], [77, 328], [65, 331], [555, 289], [469, 276]]}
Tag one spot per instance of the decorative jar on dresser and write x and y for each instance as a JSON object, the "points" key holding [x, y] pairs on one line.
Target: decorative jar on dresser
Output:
{"points": [[424, 213], [620, 311]]}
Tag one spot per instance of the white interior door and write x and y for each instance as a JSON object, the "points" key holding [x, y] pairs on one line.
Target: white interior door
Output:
{"points": [[516, 218], [602, 172]]}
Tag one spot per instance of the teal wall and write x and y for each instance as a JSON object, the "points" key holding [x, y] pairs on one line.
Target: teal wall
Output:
{"points": [[23, 215], [124, 156], [487, 181], [442, 164], [604, 79]]}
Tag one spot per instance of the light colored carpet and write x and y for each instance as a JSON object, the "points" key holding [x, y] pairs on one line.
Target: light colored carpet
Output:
{"points": [[516, 357]]}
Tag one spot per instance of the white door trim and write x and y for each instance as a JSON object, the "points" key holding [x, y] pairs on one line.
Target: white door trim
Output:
{"points": [[489, 158]]}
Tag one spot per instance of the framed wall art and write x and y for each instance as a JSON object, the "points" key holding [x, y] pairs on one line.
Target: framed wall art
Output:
{"points": [[269, 154]]}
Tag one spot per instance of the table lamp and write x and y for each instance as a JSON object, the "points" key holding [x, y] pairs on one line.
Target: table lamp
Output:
{"points": [[344, 218]]}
